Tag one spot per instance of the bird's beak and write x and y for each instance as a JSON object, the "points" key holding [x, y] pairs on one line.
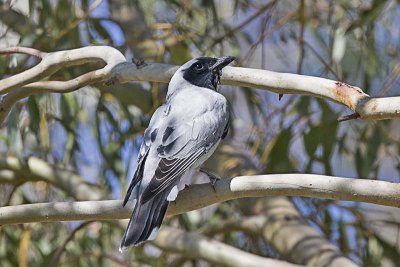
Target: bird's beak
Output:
{"points": [[222, 62]]}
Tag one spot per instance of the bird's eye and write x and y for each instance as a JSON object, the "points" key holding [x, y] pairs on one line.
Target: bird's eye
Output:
{"points": [[198, 66]]}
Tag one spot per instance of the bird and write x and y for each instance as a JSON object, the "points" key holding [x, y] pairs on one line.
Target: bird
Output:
{"points": [[182, 133]]}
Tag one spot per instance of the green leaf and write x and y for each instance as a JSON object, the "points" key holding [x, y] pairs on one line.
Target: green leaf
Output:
{"points": [[343, 238], [34, 114], [279, 160], [69, 107], [389, 250], [375, 251], [311, 141], [12, 130]]}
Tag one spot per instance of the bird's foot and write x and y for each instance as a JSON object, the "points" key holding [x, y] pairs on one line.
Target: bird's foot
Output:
{"points": [[213, 177]]}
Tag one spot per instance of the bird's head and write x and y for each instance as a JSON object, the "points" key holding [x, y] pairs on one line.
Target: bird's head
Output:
{"points": [[202, 72]]}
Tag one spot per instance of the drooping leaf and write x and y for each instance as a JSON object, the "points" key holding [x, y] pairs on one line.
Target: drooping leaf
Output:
{"points": [[34, 114], [279, 160]]}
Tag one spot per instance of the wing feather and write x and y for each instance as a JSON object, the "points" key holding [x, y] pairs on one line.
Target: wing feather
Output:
{"points": [[150, 135], [168, 170], [136, 178]]}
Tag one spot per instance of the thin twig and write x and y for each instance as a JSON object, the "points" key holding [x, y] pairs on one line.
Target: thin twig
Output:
{"points": [[353, 116], [23, 50], [301, 36], [55, 259], [321, 59], [241, 25]]}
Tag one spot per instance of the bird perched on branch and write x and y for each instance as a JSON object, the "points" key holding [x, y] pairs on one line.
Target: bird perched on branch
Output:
{"points": [[182, 134]]}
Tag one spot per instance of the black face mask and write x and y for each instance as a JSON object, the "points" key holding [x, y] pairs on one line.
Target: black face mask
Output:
{"points": [[206, 71]]}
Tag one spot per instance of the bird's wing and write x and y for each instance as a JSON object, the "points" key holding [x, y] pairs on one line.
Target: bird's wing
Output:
{"points": [[149, 137], [184, 139]]}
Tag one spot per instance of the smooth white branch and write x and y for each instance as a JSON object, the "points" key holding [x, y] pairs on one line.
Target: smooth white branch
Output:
{"points": [[202, 195], [119, 70], [354, 98], [52, 62], [29, 82], [197, 246]]}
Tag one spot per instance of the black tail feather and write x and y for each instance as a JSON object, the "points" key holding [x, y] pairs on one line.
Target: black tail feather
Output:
{"points": [[157, 211], [145, 218]]}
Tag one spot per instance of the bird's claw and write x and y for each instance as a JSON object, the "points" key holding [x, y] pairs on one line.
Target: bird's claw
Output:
{"points": [[213, 178]]}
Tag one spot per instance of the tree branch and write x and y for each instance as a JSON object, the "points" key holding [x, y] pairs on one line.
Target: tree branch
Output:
{"points": [[196, 246], [23, 50], [286, 230], [282, 83], [306, 185], [28, 82], [295, 239], [118, 69], [15, 171], [54, 61]]}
